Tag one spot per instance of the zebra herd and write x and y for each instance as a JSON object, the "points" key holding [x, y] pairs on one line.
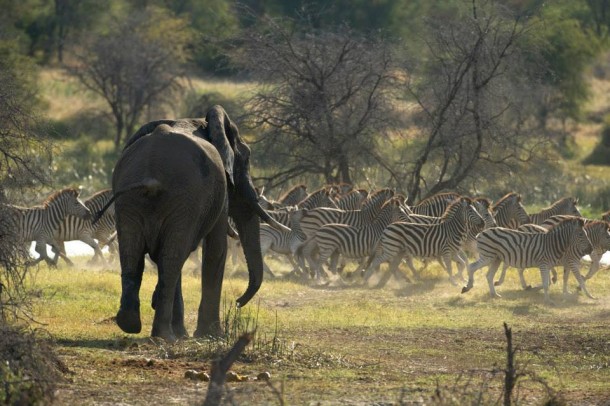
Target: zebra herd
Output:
{"points": [[337, 222], [62, 217]]}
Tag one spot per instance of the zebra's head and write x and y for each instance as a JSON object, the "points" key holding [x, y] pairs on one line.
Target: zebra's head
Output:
{"points": [[509, 211], [473, 218], [67, 200], [483, 207], [571, 209], [580, 238]]}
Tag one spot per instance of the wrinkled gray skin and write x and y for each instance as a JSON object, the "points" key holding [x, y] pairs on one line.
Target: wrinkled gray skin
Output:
{"points": [[174, 185]]}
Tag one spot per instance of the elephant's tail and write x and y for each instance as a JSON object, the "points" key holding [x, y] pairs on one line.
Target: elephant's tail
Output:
{"points": [[150, 186]]}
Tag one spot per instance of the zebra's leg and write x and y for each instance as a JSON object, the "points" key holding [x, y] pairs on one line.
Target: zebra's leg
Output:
{"points": [[545, 272], [334, 260], [96, 250], [265, 246], [461, 259], [491, 272], [524, 284], [59, 249], [393, 270], [595, 260], [472, 268], [448, 266], [502, 275], [581, 280], [41, 249]]}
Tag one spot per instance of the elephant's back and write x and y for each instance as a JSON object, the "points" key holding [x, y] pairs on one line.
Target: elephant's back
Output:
{"points": [[175, 160]]}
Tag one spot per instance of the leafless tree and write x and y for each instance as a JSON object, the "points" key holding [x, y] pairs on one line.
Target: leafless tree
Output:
{"points": [[474, 95], [324, 102], [132, 68], [25, 158]]}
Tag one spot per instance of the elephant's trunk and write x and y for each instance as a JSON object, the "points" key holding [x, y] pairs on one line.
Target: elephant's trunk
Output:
{"points": [[249, 234]]}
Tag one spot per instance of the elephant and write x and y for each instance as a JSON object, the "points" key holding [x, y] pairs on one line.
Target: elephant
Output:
{"points": [[175, 184]]}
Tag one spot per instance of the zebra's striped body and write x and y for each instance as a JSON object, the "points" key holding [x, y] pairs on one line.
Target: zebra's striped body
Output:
{"points": [[282, 242], [318, 217], [599, 236], [525, 249], [75, 228], [333, 240], [509, 212], [443, 239], [40, 223], [566, 206]]}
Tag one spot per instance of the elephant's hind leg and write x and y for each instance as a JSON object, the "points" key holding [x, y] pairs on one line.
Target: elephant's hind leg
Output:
{"points": [[131, 252], [169, 309]]}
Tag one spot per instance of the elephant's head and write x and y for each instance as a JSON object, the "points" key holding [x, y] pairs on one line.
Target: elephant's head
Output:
{"points": [[244, 207]]}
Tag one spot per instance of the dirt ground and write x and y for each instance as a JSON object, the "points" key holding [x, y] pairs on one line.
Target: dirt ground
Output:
{"points": [[352, 365]]}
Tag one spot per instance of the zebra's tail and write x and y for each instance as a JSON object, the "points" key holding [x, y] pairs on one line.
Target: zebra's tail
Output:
{"points": [[150, 186]]}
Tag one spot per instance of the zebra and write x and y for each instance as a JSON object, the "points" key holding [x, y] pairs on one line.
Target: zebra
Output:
{"points": [[443, 239], [525, 250], [483, 206], [75, 228], [598, 233], [567, 205], [606, 216], [334, 239], [509, 212], [282, 242], [39, 223]]}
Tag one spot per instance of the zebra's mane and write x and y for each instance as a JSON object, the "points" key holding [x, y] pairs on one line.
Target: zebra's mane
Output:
{"points": [[98, 193], [57, 195], [504, 199], [453, 206], [566, 219], [483, 200], [376, 193]]}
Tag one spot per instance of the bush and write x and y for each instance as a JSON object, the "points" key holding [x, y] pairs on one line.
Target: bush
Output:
{"points": [[29, 368]]}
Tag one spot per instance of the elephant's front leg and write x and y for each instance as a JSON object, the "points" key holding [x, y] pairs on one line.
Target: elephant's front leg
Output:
{"points": [[214, 258]]}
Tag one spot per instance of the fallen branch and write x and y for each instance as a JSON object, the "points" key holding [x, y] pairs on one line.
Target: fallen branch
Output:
{"points": [[220, 369]]}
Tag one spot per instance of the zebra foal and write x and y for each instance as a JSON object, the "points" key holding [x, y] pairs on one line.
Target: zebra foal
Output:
{"points": [[526, 250]]}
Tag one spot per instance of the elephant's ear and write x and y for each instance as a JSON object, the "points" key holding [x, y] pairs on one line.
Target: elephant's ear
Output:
{"points": [[219, 133]]}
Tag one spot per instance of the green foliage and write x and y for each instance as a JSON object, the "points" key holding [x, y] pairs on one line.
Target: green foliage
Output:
{"points": [[569, 48]]}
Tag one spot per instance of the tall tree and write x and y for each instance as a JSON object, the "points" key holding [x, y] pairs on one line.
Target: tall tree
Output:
{"points": [[324, 101], [475, 92], [136, 66]]}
